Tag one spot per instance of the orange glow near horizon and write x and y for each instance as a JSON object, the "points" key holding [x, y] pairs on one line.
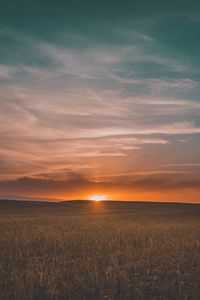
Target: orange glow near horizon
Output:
{"points": [[117, 194], [102, 192]]}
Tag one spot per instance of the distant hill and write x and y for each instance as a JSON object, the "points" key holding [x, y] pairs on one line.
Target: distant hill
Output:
{"points": [[79, 207]]}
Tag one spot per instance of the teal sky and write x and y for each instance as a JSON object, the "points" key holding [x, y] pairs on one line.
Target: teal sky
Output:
{"points": [[100, 96]]}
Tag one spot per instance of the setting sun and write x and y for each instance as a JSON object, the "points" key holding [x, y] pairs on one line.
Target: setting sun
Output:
{"points": [[98, 198]]}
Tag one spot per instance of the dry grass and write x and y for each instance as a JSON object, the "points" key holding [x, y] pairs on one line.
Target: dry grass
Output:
{"points": [[99, 251]]}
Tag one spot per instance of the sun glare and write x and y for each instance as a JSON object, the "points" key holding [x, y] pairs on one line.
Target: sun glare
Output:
{"points": [[98, 198]]}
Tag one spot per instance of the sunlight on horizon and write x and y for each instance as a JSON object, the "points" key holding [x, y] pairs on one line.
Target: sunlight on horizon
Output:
{"points": [[97, 198]]}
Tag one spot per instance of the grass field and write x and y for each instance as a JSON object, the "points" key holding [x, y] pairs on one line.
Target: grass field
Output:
{"points": [[87, 250]]}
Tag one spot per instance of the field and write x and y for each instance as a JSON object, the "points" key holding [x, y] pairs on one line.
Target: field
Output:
{"points": [[87, 250]]}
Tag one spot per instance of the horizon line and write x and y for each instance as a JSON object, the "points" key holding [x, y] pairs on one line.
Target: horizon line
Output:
{"points": [[60, 201]]}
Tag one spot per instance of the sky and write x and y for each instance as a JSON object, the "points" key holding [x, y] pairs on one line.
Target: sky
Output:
{"points": [[100, 98]]}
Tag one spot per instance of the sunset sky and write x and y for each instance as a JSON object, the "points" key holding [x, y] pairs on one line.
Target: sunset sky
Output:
{"points": [[100, 97]]}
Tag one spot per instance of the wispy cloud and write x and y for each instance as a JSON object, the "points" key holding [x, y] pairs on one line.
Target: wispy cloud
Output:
{"points": [[69, 109]]}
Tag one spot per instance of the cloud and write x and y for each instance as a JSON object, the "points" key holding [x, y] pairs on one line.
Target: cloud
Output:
{"points": [[67, 108], [79, 185], [6, 71]]}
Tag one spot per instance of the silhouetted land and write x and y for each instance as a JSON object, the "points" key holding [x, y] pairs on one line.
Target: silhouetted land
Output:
{"points": [[99, 250]]}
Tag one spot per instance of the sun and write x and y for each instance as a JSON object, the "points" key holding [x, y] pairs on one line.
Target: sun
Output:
{"points": [[98, 198]]}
